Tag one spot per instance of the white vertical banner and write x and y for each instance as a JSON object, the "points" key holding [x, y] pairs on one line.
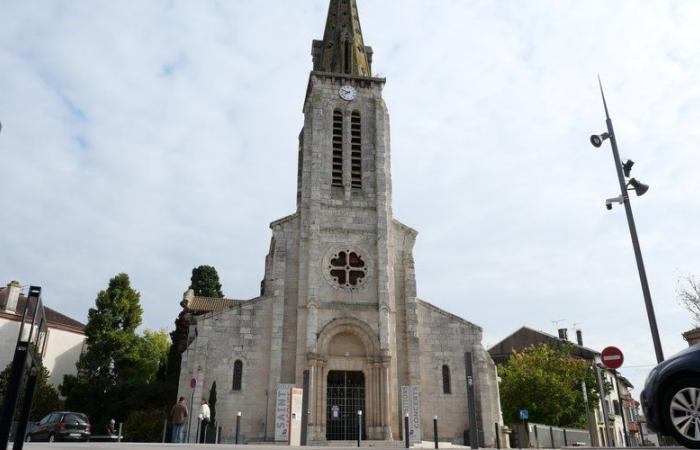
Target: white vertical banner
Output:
{"points": [[410, 404], [282, 412], [296, 396]]}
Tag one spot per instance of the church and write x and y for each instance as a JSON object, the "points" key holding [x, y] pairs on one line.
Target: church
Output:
{"points": [[338, 313]]}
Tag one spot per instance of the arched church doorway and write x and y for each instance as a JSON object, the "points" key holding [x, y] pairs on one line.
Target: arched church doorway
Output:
{"points": [[346, 396]]}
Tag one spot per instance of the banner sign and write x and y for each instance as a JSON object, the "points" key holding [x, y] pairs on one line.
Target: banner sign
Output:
{"points": [[410, 404], [282, 412]]}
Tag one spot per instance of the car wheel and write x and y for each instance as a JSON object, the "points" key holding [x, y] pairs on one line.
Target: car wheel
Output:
{"points": [[52, 438], [680, 411], [28, 438]]}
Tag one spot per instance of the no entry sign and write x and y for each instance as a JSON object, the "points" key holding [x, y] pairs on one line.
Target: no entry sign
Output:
{"points": [[612, 357]]}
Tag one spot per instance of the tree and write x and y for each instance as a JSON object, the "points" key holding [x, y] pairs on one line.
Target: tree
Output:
{"points": [[547, 382], [212, 402], [46, 398], [688, 292], [114, 352], [205, 282]]}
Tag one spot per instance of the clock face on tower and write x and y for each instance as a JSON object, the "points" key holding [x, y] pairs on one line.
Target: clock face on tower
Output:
{"points": [[347, 92]]}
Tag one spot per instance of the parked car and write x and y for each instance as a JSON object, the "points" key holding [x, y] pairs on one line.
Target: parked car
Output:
{"points": [[61, 426], [671, 397]]}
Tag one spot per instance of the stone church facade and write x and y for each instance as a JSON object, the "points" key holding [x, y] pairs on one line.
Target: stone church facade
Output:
{"points": [[338, 300]]}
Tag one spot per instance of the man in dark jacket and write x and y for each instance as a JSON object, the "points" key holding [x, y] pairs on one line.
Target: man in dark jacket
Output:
{"points": [[178, 415]]}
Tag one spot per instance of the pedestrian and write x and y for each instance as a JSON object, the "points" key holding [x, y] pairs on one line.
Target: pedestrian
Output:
{"points": [[111, 430], [178, 415], [205, 418]]}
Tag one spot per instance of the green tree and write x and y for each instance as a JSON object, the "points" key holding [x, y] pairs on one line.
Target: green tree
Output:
{"points": [[205, 282], [547, 382], [46, 398], [151, 357], [212, 402], [114, 353]]}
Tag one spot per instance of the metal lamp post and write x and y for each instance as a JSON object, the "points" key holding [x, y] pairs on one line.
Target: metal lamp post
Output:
{"points": [[640, 189]]}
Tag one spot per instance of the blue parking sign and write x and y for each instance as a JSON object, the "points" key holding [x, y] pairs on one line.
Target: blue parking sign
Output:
{"points": [[524, 414]]}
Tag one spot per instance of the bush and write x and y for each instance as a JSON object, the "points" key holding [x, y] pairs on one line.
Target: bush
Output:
{"points": [[145, 425]]}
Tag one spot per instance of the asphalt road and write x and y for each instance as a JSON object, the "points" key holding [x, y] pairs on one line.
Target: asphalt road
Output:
{"points": [[136, 446]]}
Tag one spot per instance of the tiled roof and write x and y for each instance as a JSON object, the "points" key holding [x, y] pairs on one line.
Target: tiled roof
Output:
{"points": [[53, 317], [207, 304]]}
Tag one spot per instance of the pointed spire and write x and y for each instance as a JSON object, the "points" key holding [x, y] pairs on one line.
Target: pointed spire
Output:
{"points": [[343, 50]]}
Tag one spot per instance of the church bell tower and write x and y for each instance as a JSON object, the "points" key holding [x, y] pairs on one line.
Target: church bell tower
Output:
{"points": [[346, 300]]}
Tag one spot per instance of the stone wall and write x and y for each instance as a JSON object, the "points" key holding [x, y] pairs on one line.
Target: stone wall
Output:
{"points": [[240, 333], [444, 339]]}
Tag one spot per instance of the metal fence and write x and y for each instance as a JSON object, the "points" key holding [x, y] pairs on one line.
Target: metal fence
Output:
{"points": [[535, 435]]}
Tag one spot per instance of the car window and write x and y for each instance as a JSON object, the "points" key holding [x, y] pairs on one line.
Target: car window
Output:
{"points": [[45, 420], [54, 418], [72, 418]]}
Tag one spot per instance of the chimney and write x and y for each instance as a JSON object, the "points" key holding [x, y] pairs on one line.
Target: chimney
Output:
{"points": [[563, 334], [8, 302], [579, 338]]}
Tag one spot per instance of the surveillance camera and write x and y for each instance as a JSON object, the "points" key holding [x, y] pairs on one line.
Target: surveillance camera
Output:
{"points": [[609, 202]]}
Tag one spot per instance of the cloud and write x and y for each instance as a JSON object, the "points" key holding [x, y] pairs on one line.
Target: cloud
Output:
{"points": [[153, 137]]}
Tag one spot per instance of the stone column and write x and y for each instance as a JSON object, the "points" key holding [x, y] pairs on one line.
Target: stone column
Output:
{"points": [[386, 397], [316, 398]]}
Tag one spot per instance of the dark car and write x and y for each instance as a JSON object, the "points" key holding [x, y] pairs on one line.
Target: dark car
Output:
{"points": [[61, 426], [671, 397]]}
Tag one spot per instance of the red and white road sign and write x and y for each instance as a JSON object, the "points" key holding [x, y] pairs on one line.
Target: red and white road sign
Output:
{"points": [[612, 357]]}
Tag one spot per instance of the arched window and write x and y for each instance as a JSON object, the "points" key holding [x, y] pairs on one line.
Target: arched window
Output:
{"points": [[237, 375], [337, 174], [356, 150], [446, 387]]}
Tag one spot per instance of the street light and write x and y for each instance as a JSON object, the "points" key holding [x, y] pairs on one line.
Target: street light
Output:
{"points": [[639, 189]]}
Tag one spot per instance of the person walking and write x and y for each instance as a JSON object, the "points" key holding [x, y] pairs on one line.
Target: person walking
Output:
{"points": [[204, 419], [178, 415]]}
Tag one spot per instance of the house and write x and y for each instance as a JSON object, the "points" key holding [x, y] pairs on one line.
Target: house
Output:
{"points": [[619, 404], [65, 336]]}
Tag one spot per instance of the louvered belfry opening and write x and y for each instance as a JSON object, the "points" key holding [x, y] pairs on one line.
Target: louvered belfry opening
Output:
{"points": [[356, 150], [337, 176]]}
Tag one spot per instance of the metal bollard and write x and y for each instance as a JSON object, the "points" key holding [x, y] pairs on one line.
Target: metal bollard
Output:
{"points": [[498, 437], [165, 429], [119, 436], [551, 435], [405, 430], [537, 438], [566, 441], [435, 431], [199, 430], [359, 427], [238, 426]]}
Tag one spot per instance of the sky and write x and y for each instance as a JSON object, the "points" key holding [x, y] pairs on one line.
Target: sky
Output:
{"points": [[152, 137]]}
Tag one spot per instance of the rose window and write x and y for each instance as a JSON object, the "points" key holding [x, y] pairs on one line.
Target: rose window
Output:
{"points": [[347, 268]]}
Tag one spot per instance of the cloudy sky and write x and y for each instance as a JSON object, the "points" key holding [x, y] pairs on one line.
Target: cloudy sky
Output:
{"points": [[151, 137]]}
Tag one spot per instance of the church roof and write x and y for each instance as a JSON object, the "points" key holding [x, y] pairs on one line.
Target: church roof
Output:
{"points": [[210, 304], [343, 49]]}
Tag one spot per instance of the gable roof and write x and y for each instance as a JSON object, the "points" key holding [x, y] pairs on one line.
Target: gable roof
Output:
{"points": [[54, 318], [524, 337], [209, 304]]}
